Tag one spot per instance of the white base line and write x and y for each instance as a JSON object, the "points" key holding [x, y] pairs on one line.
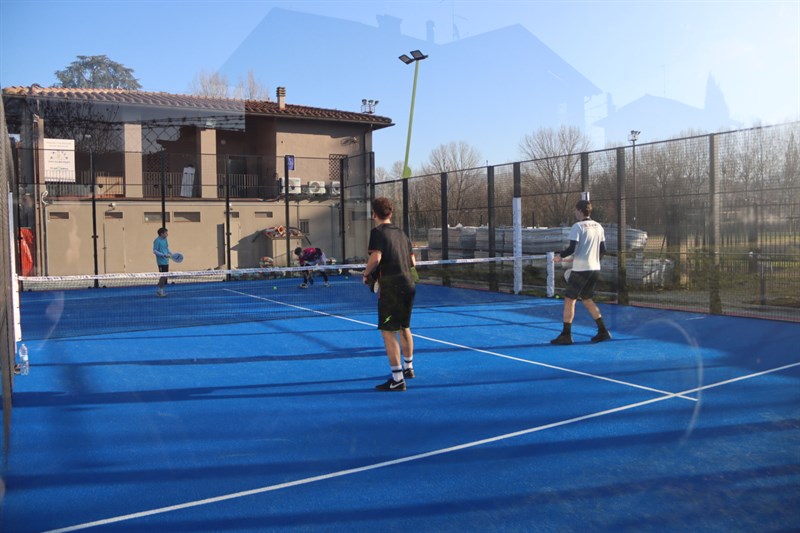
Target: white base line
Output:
{"points": [[447, 343], [407, 459]]}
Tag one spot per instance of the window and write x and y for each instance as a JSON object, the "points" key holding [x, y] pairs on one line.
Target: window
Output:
{"points": [[155, 216], [263, 214], [187, 216], [304, 227], [57, 215], [113, 215]]}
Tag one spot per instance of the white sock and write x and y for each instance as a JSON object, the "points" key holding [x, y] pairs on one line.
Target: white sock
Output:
{"points": [[397, 373], [409, 362]]}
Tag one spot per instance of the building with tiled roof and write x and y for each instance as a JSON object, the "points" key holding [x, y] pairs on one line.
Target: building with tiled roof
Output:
{"points": [[110, 165]]}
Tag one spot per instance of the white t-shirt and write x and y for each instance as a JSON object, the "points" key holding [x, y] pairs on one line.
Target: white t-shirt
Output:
{"points": [[589, 235]]}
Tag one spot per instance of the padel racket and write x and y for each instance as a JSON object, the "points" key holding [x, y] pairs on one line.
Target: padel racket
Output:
{"points": [[177, 257], [566, 274]]}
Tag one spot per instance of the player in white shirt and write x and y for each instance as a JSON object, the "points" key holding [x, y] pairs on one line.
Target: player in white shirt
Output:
{"points": [[587, 242]]}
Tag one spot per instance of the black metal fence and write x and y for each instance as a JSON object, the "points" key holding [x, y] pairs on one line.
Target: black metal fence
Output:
{"points": [[226, 202], [708, 223]]}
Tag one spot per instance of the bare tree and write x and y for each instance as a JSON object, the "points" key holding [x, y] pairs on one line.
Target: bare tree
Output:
{"points": [[465, 188], [251, 89], [553, 174], [211, 84], [215, 85], [394, 173]]}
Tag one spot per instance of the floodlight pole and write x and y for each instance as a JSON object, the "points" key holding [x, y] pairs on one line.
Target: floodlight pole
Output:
{"points": [[416, 57]]}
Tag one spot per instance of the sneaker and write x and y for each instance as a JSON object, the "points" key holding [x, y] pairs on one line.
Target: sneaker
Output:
{"points": [[161, 293], [311, 280], [408, 373], [392, 385], [602, 336], [327, 284], [563, 339], [302, 286]]}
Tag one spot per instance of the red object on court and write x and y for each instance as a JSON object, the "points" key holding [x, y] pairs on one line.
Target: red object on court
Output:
{"points": [[25, 244]]}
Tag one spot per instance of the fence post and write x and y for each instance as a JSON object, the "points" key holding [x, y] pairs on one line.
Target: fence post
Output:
{"points": [[445, 227], [228, 212], [622, 274], [288, 160], [163, 173], [406, 209], [584, 171], [445, 235], [93, 178], [714, 303], [492, 222], [344, 166], [517, 218]]}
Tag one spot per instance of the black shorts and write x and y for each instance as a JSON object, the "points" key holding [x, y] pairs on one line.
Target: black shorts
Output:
{"points": [[395, 303], [581, 284]]}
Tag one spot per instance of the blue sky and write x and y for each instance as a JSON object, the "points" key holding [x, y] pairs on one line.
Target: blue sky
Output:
{"points": [[627, 48]]}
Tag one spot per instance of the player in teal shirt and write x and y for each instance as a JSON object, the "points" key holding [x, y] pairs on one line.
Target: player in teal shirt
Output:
{"points": [[162, 253]]}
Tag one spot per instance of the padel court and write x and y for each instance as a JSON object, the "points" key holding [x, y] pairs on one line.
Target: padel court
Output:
{"points": [[682, 422]]}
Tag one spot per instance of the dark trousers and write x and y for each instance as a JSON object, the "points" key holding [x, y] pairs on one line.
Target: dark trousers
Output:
{"points": [[162, 280]]}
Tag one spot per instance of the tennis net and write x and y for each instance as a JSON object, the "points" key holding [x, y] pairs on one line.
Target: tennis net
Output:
{"points": [[70, 306]]}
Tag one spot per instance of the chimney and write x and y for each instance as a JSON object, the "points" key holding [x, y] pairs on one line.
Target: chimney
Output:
{"points": [[281, 97]]}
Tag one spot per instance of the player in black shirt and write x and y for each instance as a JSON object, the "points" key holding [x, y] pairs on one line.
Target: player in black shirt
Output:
{"points": [[391, 258]]}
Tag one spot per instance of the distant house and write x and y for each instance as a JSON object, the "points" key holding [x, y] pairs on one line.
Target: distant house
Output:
{"points": [[145, 159], [462, 86], [660, 118]]}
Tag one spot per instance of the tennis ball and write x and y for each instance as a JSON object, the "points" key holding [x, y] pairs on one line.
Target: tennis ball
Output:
{"points": [[558, 297], [274, 288]]}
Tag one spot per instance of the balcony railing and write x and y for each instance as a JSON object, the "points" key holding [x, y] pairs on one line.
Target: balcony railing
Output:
{"points": [[105, 186]]}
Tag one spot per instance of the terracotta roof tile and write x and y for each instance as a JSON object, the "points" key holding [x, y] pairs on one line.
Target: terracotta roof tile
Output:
{"points": [[162, 99]]}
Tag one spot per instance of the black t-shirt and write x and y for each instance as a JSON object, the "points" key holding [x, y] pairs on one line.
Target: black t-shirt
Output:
{"points": [[396, 250]]}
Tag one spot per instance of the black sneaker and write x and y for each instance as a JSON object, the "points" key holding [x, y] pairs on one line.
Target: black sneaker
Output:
{"points": [[563, 339], [602, 336], [392, 386], [408, 373]]}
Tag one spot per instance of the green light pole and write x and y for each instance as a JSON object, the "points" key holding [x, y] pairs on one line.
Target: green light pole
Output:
{"points": [[416, 57]]}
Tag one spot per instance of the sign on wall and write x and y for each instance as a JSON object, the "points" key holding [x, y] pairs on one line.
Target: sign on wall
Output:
{"points": [[59, 160]]}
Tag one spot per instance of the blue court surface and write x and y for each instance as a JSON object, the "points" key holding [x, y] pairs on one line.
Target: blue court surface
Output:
{"points": [[682, 422]]}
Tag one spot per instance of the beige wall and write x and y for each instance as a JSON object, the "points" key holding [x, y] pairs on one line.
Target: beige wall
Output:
{"points": [[197, 226], [125, 234]]}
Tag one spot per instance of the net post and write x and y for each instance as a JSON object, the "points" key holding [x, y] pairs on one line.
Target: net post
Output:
{"points": [[551, 275]]}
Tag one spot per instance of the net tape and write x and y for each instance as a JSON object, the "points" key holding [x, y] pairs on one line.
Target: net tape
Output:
{"points": [[219, 275]]}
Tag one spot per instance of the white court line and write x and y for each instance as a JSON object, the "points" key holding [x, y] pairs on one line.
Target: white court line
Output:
{"points": [[416, 457], [479, 350]]}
